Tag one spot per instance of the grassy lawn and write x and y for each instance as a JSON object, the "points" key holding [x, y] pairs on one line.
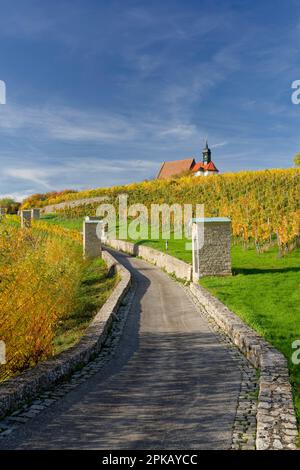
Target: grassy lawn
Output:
{"points": [[73, 224], [94, 289], [175, 247], [264, 291]]}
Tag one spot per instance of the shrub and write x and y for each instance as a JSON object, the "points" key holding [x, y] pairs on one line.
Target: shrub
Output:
{"points": [[40, 275], [10, 205]]}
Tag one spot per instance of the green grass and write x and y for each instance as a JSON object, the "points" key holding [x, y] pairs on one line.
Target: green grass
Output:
{"points": [[175, 248], [264, 291], [94, 289], [72, 224]]}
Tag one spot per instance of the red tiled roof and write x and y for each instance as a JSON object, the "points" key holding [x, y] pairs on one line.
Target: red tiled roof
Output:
{"points": [[205, 167], [197, 166], [169, 169]]}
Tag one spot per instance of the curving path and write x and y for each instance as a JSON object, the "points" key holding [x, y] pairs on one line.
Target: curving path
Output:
{"points": [[172, 384]]}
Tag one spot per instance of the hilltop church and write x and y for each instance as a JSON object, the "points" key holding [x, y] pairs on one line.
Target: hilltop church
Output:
{"points": [[178, 167]]}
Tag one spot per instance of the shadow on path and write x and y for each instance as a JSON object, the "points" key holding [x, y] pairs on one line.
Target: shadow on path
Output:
{"points": [[170, 385]]}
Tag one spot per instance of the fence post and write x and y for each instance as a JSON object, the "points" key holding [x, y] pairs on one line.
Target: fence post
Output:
{"points": [[35, 214], [26, 218]]}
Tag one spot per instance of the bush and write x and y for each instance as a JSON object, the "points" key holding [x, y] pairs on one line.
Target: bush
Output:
{"points": [[40, 275], [10, 205]]}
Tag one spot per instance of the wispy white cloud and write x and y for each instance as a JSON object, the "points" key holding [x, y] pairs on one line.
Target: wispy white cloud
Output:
{"points": [[64, 123], [33, 175], [219, 144], [192, 86], [16, 196], [156, 81], [74, 125], [67, 124], [181, 131], [46, 176]]}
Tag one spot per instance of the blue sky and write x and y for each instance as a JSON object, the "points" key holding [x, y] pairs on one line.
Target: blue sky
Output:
{"points": [[100, 92]]}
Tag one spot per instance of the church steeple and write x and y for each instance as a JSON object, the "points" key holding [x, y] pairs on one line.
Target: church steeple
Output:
{"points": [[206, 154]]}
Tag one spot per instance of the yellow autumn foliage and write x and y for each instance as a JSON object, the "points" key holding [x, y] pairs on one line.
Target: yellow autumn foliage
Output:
{"points": [[261, 204], [39, 276]]}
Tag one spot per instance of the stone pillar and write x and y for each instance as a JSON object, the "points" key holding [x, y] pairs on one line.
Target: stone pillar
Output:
{"points": [[103, 235], [26, 218], [2, 211], [35, 214], [211, 247], [93, 217], [91, 237]]}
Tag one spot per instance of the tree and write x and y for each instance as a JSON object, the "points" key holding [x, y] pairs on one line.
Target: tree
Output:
{"points": [[10, 205], [297, 159]]}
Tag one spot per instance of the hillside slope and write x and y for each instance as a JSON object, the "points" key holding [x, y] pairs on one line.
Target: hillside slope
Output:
{"points": [[263, 205]]}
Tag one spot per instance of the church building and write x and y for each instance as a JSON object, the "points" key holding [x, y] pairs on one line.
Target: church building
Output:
{"points": [[179, 167]]}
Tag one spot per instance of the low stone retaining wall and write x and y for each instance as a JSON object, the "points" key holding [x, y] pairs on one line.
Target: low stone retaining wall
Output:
{"points": [[72, 203], [14, 392], [168, 263], [276, 421]]}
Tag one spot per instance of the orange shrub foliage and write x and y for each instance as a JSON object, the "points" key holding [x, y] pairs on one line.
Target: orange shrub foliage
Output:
{"points": [[39, 200]]}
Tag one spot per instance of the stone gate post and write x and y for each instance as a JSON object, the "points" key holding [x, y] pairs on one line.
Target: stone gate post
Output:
{"points": [[35, 214], [26, 218], [211, 239], [91, 237]]}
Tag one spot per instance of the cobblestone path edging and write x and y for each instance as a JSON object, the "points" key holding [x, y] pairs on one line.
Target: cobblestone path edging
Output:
{"points": [[244, 428], [276, 420], [26, 386]]}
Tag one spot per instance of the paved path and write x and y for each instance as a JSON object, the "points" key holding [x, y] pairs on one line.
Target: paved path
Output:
{"points": [[172, 384]]}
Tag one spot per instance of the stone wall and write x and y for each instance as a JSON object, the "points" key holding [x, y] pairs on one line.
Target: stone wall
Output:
{"points": [[171, 265], [69, 204]]}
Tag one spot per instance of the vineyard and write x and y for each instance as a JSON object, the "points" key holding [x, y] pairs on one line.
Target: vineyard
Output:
{"points": [[264, 205], [48, 293]]}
